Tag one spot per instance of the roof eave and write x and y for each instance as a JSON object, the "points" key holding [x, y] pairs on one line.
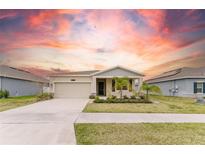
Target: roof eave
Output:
{"points": [[133, 71]]}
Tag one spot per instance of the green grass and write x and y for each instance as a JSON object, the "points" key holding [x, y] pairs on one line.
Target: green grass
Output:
{"points": [[142, 133], [167, 105], [13, 102]]}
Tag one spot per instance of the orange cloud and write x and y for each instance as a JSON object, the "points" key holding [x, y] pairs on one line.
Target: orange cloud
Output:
{"points": [[155, 18], [99, 66], [46, 19]]}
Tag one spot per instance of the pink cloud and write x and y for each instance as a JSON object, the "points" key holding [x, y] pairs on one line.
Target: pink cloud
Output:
{"points": [[43, 71], [155, 18], [7, 14]]}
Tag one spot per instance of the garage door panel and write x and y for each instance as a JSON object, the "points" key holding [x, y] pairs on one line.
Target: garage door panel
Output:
{"points": [[72, 90]]}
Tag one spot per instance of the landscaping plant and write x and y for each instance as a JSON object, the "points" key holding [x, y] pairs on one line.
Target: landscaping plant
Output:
{"points": [[4, 93], [45, 96], [150, 88], [92, 96], [1, 94], [120, 83]]}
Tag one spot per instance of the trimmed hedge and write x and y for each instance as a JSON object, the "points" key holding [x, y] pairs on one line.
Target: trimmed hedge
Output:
{"points": [[118, 100], [44, 96]]}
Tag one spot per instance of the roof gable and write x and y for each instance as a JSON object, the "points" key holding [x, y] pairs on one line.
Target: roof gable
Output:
{"points": [[117, 71], [181, 73], [10, 72]]}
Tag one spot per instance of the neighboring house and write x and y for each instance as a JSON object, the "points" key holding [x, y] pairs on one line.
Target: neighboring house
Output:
{"points": [[19, 82], [188, 82], [101, 83]]}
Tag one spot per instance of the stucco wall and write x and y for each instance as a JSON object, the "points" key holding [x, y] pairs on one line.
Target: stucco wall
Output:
{"points": [[185, 87], [21, 87], [69, 78]]}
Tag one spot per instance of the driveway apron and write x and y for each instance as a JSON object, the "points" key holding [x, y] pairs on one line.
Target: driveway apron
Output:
{"points": [[47, 122]]}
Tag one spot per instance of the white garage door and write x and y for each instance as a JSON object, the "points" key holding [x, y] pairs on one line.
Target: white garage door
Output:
{"points": [[72, 90]]}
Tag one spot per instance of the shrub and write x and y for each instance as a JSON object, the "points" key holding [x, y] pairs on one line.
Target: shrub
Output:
{"points": [[45, 96], [113, 97], [119, 100], [92, 96], [1, 94], [4, 93], [125, 97], [98, 100], [142, 96], [133, 97]]}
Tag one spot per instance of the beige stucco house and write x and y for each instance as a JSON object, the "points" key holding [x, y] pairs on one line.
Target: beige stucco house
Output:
{"points": [[101, 83]]}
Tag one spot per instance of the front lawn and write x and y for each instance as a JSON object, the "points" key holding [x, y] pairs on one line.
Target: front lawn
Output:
{"points": [[167, 104], [13, 102], [142, 133]]}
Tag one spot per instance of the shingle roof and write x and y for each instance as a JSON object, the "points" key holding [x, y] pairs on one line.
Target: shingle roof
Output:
{"points": [[6, 71], [181, 73], [76, 73]]}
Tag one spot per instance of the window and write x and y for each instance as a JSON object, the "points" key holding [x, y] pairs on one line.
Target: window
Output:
{"points": [[199, 87], [130, 84], [113, 85]]}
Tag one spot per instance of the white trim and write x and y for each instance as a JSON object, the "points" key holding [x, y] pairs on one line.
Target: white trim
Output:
{"points": [[66, 75], [71, 82], [108, 77], [120, 67]]}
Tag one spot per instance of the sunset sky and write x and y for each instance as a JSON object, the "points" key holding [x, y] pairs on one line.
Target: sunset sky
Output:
{"points": [[149, 41]]}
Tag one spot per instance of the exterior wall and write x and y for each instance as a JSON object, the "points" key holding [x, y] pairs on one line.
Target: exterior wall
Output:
{"points": [[190, 87], [185, 87], [21, 87], [69, 78], [117, 72]]}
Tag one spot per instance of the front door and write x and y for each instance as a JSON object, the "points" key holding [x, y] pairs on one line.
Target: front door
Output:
{"points": [[101, 88]]}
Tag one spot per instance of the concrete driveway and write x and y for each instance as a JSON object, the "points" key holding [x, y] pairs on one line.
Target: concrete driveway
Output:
{"points": [[47, 122]]}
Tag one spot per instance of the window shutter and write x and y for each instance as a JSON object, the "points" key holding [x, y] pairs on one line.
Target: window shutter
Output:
{"points": [[195, 87], [204, 87]]}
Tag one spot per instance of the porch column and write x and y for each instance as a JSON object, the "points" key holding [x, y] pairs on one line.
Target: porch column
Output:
{"points": [[140, 83], [93, 85]]}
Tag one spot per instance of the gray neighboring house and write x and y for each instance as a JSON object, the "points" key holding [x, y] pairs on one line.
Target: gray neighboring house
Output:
{"points": [[187, 82], [19, 82]]}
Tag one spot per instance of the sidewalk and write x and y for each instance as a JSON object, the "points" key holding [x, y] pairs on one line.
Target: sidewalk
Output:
{"points": [[139, 118]]}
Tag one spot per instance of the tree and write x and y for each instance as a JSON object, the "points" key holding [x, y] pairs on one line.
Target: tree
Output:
{"points": [[150, 88], [120, 83]]}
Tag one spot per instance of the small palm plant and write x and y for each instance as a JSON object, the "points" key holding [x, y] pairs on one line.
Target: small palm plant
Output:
{"points": [[150, 88], [120, 83]]}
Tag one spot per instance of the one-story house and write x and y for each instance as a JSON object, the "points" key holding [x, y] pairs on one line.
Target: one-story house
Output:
{"points": [[20, 83], [101, 83], [187, 82]]}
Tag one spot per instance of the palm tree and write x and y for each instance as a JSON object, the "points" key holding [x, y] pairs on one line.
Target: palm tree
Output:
{"points": [[120, 83], [150, 88]]}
